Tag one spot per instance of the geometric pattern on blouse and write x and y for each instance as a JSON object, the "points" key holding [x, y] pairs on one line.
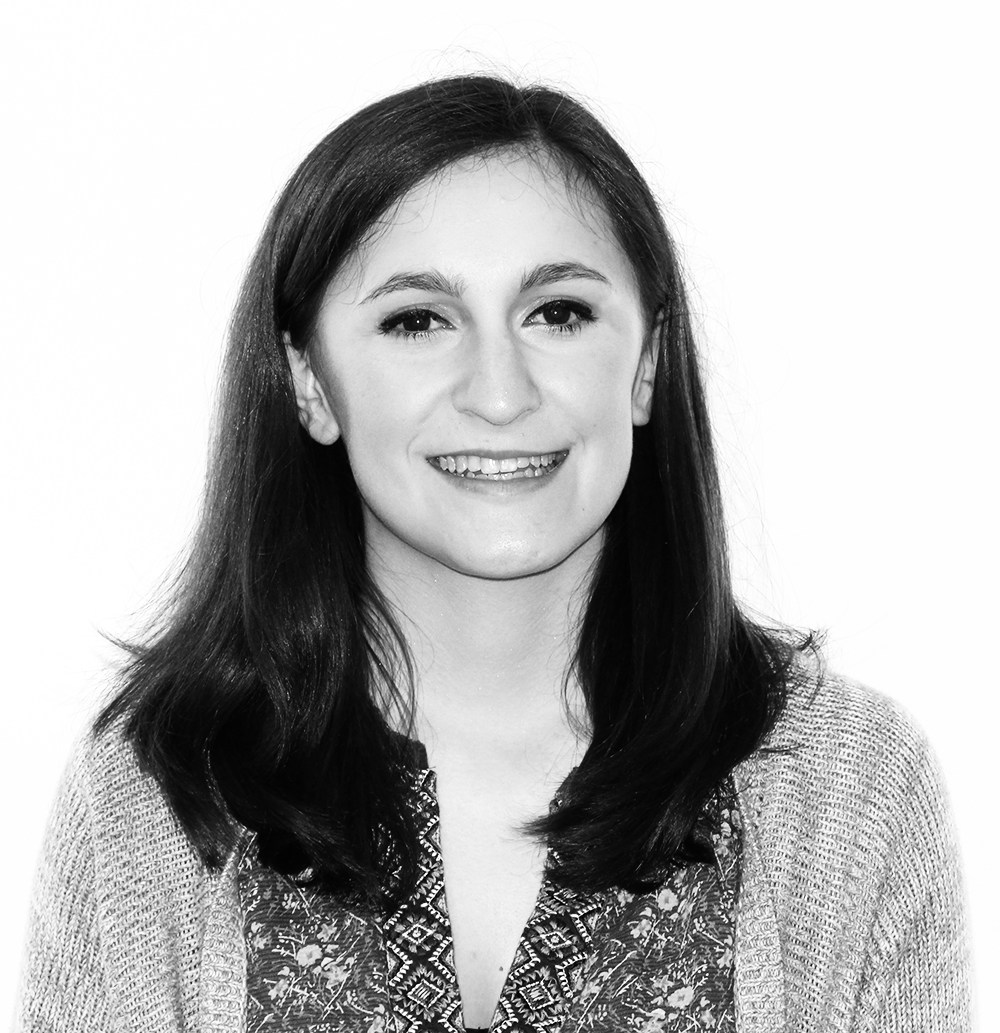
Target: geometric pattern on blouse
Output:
{"points": [[655, 962], [549, 961], [417, 936]]}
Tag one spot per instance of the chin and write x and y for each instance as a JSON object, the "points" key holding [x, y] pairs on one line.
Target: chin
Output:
{"points": [[505, 571], [507, 564]]}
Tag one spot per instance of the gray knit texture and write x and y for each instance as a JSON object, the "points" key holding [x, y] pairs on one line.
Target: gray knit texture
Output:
{"points": [[850, 915]]}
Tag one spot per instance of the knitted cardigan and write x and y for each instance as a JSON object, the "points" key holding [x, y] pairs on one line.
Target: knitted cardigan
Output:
{"points": [[850, 914]]}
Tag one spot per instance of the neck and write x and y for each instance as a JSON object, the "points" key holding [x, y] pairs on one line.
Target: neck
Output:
{"points": [[490, 655]]}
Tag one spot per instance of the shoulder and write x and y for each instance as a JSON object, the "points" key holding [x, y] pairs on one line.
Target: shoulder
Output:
{"points": [[106, 775], [836, 733], [846, 796], [108, 803], [104, 764], [120, 903], [852, 881]]}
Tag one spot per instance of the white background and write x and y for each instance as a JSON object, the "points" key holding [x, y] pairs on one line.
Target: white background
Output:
{"points": [[830, 172]]}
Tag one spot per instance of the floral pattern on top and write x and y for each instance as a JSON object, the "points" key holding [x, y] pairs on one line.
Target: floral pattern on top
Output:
{"points": [[664, 959], [655, 962]]}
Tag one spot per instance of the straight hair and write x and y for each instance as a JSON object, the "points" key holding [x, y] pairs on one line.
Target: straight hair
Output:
{"points": [[258, 698]]}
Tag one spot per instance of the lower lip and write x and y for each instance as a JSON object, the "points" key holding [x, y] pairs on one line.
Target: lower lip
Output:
{"points": [[503, 486]]}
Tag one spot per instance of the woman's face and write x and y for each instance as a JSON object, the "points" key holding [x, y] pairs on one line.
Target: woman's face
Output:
{"points": [[484, 358]]}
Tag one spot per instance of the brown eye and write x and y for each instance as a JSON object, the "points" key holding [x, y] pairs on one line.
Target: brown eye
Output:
{"points": [[562, 316], [557, 312], [416, 322]]}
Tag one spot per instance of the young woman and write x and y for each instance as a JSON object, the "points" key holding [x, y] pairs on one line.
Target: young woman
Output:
{"points": [[455, 722]]}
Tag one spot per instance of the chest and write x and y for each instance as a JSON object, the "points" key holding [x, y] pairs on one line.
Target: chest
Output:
{"points": [[493, 875], [578, 962]]}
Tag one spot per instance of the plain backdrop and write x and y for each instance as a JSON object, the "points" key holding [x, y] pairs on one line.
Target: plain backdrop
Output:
{"points": [[830, 173]]}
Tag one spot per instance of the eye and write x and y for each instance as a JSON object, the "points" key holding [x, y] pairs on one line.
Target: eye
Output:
{"points": [[561, 316], [413, 323]]}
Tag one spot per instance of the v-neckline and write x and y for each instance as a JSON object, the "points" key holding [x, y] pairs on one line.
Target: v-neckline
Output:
{"points": [[400, 975], [548, 960]]}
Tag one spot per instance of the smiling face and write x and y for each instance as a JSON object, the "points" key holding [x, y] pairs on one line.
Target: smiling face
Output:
{"points": [[484, 358]]}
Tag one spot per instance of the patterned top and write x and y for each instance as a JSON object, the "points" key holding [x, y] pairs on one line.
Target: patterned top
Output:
{"points": [[851, 913], [649, 962]]}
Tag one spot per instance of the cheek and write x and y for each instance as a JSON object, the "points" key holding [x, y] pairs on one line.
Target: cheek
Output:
{"points": [[363, 403], [378, 411], [603, 403], [607, 428]]}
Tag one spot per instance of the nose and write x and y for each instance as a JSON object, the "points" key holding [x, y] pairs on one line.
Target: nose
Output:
{"points": [[496, 383]]}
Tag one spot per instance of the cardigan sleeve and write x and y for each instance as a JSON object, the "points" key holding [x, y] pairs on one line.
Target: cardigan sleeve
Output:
{"points": [[62, 983], [917, 975]]}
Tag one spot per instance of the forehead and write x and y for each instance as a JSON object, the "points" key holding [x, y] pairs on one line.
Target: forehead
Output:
{"points": [[496, 213]]}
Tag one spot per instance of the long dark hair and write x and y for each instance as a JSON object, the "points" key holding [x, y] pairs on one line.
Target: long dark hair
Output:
{"points": [[259, 698]]}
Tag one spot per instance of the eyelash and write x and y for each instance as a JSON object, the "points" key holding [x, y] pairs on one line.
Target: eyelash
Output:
{"points": [[584, 314]]}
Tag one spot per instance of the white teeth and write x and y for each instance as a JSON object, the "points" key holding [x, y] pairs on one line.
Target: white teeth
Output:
{"points": [[485, 467]]}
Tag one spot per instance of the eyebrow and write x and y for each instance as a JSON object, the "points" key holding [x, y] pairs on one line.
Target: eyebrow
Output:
{"points": [[554, 272], [432, 280]]}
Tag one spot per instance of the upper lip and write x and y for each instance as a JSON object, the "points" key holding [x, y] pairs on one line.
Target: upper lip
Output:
{"points": [[488, 453]]}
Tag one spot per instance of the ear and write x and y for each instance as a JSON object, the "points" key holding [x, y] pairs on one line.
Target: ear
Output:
{"points": [[642, 386], [315, 413]]}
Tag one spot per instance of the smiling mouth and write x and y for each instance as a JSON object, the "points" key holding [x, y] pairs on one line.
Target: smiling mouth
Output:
{"points": [[488, 468]]}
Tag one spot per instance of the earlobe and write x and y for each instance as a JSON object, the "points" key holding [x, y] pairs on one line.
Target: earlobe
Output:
{"points": [[315, 413], [645, 376], [642, 390]]}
